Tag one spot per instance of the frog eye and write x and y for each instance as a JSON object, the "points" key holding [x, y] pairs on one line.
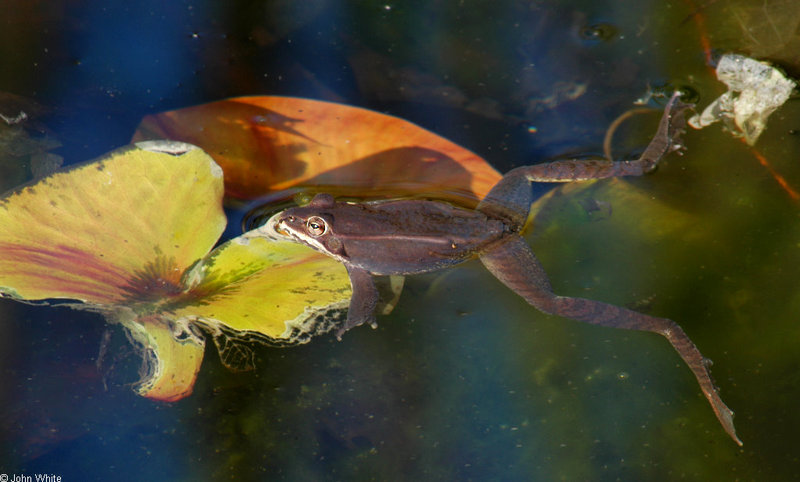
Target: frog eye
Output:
{"points": [[316, 226]]}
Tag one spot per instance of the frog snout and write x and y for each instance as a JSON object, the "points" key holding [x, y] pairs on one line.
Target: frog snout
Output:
{"points": [[275, 227]]}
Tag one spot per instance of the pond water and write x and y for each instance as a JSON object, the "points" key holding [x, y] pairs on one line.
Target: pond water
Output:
{"points": [[463, 381]]}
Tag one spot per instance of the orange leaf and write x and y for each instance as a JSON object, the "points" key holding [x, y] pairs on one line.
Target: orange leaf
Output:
{"points": [[268, 144]]}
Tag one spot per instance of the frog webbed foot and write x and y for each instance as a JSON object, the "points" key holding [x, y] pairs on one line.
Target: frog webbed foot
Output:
{"points": [[363, 301]]}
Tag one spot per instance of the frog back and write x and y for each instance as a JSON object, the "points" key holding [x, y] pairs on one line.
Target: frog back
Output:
{"points": [[412, 236]]}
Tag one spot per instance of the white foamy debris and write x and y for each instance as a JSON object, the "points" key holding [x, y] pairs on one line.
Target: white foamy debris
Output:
{"points": [[176, 148], [755, 90]]}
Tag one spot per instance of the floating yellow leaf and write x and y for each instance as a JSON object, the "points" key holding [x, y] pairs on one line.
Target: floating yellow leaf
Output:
{"points": [[253, 289], [130, 235], [118, 228]]}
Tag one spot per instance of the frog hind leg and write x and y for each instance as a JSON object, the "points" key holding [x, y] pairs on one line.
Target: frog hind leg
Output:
{"points": [[511, 197], [362, 302], [512, 262]]}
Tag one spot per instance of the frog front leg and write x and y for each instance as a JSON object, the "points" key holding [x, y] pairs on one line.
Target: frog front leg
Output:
{"points": [[510, 199], [363, 301], [512, 262]]}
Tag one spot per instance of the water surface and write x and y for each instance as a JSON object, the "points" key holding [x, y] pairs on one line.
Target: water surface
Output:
{"points": [[463, 380]]}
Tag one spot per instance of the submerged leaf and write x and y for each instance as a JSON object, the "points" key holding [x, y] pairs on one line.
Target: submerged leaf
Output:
{"points": [[169, 364], [24, 142], [571, 212], [766, 29], [268, 144]]}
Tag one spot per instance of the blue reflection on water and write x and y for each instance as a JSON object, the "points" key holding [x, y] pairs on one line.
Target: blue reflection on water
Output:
{"points": [[121, 61], [137, 50]]}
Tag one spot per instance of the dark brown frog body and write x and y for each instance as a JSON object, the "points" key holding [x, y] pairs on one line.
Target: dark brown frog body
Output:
{"points": [[395, 237], [412, 236]]}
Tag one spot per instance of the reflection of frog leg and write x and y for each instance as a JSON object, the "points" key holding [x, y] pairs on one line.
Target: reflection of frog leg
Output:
{"points": [[513, 263], [511, 197], [363, 301]]}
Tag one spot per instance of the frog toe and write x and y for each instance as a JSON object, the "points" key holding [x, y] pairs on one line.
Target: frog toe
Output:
{"points": [[352, 323]]}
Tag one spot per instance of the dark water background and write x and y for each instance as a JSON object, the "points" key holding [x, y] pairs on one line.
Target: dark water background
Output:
{"points": [[463, 381]]}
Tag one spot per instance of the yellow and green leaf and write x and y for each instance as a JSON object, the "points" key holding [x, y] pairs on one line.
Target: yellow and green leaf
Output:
{"points": [[122, 227], [129, 234]]}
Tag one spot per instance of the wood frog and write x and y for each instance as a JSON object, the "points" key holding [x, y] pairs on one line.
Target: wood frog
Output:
{"points": [[416, 236]]}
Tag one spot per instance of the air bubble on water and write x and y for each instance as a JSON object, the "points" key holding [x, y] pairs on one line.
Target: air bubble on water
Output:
{"points": [[599, 32]]}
